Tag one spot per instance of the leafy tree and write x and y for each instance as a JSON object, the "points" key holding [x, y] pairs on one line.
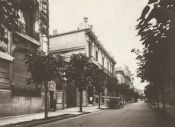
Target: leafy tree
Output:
{"points": [[155, 27], [111, 85], [122, 90], [151, 93], [98, 80], [78, 72], [43, 68]]}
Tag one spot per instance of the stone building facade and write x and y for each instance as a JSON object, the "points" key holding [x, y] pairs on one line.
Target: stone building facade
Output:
{"points": [[16, 96], [124, 76], [83, 40]]}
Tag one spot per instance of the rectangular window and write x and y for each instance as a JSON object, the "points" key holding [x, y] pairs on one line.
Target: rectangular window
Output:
{"points": [[108, 65], [96, 54], [112, 69], [90, 49]]}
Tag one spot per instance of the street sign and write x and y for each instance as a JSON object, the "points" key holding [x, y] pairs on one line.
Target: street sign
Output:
{"points": [[52, 86]]}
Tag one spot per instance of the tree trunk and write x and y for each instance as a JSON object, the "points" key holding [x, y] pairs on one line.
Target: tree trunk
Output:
{"points": [[157, 95], [63, 95], [163, 97], [157, 101], [99, 97], [81, 100], [163, 101], [46, 99]]}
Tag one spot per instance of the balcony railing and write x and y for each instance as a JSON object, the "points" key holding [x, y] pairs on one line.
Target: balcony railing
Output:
{"points": [[93, 60]]}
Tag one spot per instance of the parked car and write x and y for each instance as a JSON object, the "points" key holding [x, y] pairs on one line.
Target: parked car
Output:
{"points": [[146, 100], [115, 102]]}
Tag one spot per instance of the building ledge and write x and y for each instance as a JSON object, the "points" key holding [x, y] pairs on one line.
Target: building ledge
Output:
{"points": [[30, 39], [64, 50], [6, 56]]}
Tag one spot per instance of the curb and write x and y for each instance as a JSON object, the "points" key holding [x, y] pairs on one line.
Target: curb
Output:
{"points": [[43, 121], [53, 120], [49, 120]]}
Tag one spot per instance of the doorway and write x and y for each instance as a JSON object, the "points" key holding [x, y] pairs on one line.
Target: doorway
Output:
{"points": [[52, 101]]}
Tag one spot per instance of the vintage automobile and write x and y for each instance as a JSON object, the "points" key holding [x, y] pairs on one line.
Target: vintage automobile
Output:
{"points": [[114, 102]]}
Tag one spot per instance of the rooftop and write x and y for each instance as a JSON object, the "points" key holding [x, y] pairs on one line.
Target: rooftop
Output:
{"points": [[91, 33]]}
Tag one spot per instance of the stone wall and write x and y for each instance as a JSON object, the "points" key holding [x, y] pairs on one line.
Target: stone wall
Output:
{"points": [[18, 105]]}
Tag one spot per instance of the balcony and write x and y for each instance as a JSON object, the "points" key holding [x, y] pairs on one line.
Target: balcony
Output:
{"points": [[107, 72], [93, 60], [28, 38]]}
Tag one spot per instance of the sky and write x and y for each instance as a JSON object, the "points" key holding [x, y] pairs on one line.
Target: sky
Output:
{"points": [[113, 21]]}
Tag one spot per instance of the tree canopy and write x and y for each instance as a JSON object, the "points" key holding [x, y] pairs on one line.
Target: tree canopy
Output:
{"points": [[156, 28], [78, 71], [43, 67], [111, 85], [98, 77]]}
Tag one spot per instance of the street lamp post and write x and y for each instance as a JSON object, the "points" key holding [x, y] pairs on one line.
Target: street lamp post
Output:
{"points": [[64, 86]]}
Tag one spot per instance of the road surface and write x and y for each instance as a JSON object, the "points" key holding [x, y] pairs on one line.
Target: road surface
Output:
{"points": [[132, 115]]}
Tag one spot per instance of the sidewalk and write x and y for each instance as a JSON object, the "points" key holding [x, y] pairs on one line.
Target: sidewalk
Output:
{"points": [[168, 119], [37, 116]]}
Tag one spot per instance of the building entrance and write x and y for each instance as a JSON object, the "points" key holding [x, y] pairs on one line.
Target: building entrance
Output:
{"points": [[52, 101]]}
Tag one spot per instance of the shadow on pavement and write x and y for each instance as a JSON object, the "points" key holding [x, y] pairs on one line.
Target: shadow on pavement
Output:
{"points": [[166, 119]]}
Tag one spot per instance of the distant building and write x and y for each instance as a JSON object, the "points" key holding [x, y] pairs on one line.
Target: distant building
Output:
{"points": [[16, 96], [124, 76], [120, 75], [82, 40]]}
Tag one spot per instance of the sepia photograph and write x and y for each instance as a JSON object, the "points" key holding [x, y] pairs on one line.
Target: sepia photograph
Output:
{"points": [[87, 63]]}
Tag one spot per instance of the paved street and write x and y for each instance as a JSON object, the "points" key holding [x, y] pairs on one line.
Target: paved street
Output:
{"points": [[132, 115]]}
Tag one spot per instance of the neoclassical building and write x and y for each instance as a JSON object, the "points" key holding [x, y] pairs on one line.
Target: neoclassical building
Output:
{"points": [[16, 96], [83, 40], [124, 76]]}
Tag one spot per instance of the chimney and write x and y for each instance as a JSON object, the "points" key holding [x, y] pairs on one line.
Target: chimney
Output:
{"points": [[86, 22], [55, 31], [86, 19]]}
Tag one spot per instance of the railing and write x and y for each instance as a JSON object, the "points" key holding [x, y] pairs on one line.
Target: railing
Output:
{"points": [[92, 60]]}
